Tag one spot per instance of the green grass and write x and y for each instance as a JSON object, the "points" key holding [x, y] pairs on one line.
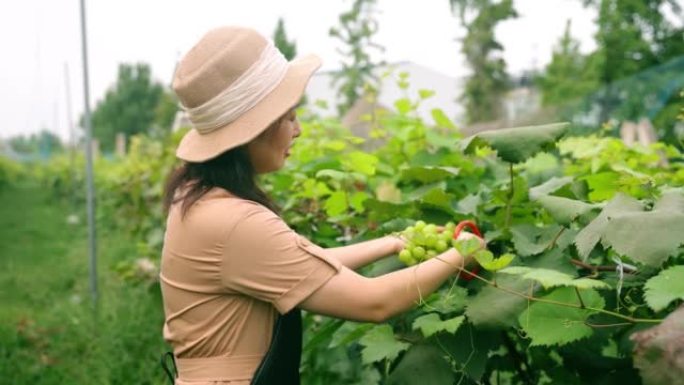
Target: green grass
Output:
{"points": [[49, 331]]}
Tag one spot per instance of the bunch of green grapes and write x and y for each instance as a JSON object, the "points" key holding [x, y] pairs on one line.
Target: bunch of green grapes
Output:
{"points": [[426, 240]]}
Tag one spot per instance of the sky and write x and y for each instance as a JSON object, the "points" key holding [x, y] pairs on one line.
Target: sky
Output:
{"points": [[41, 40]]}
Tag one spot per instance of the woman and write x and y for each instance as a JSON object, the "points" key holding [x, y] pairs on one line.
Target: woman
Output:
{"points": [[233, 274]]}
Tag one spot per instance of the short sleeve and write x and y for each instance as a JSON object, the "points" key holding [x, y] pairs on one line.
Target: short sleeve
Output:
{"points": [[267, 260]]}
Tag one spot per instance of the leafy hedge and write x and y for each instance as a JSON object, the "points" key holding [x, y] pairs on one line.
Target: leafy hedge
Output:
{"points": [[596, 228]]}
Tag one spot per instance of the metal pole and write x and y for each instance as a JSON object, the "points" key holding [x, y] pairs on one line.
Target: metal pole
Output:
{"points": [[90, 188], [72, 135]]}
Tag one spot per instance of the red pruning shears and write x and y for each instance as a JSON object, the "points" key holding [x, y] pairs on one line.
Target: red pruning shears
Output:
{"points": [[457, 231]]}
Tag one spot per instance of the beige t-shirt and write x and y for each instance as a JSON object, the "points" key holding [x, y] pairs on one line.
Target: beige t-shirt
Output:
{"points": [[227, 269]]}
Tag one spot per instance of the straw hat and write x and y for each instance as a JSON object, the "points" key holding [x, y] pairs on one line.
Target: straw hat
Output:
{"points": [[233, 84]]}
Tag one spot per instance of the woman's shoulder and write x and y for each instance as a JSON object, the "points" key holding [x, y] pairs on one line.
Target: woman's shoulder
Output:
{"points": [[218, 201]]}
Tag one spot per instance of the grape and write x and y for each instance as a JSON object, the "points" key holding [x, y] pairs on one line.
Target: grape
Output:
{"points": [[425, 241], [418, 252], [431, 240], [406, 257]]}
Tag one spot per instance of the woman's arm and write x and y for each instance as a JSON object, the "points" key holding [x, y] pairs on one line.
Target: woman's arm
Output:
{"points": [[362, 253], [352, 296]]}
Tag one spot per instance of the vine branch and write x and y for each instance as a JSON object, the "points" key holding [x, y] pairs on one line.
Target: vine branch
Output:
{"points": [[549, 301]]}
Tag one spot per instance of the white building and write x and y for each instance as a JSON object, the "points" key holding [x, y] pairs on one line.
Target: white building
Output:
{"points": [[447, 90]]}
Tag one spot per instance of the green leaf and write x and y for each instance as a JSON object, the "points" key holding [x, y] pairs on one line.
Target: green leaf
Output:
{"points": [[468, 205], [349, 332], [437, 197], [428, 174], [356, 201], [516, 144], [403, 106], [469, 349], [441, 120], [332, 174], [549, 187], [531, 240], [431, 323], [425, 93], [336, 204], [665, 287], [447, 301], [603, 185], [553, 259], [564, 210], [552, 278], [494, 308], [361, 162], [422, 364], [550, 324], [468, 246], [649, 237], [486, 259], [587, 239], [379, 344]]}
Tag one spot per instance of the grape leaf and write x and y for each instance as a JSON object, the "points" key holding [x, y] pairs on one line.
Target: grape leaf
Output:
{"points": [[551, 324], [428, 174], [379, 344], [430, 324], [422, 364], [438, 198], [587, 239], [469, 348], [552, 278], [468, 205], [486, 259], [649, 237], [603, 185], [564, 210], [349, 332], [549, 187], [447, 301], [357, 199], [440, 118], [467, 246], [516, 144], [361, 162], [384, 211], [494, 308], [336, 203], [531, 240], [658, 351], [369, 376], [665, 287], [553, 259]]}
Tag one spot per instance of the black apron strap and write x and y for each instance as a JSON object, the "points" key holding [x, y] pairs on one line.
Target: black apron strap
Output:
{"points": [[164, 359], [281, 363]]}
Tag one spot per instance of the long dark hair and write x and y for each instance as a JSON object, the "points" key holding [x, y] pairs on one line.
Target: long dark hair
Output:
{"points": [[232, 171]]}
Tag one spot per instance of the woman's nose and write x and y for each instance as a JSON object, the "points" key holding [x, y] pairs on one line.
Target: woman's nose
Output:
{"points": [[298, 129]]}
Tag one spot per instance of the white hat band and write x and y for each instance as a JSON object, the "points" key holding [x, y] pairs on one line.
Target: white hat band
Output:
{"points": [[250, 88]]}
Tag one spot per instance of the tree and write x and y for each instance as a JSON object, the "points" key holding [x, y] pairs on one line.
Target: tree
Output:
{"points": [[166, 109], [356, 29], [129, 107], [288, 48], [43, 142], [570, 75], [633, 35], [488, 83]]}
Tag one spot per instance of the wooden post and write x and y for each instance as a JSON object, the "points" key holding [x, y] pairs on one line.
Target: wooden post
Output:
{"points": [[121, 144]]}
